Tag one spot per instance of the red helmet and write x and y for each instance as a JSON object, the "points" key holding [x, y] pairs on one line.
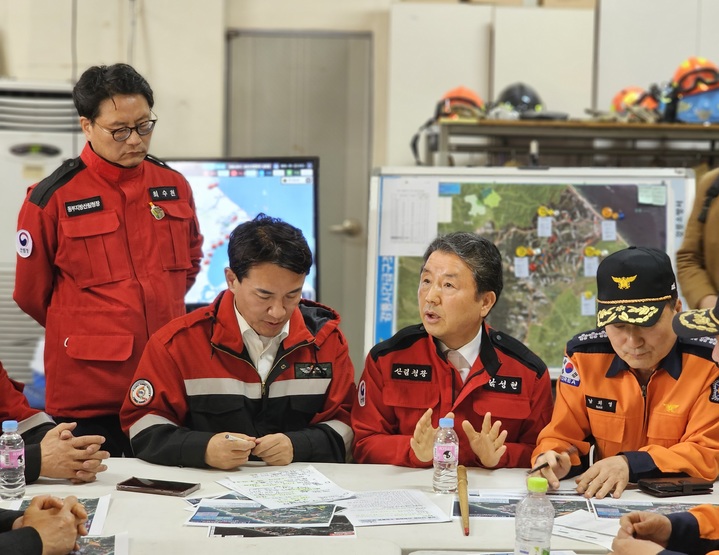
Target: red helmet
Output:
{"points": [[460, 102], [695, 75], [632, 96]]}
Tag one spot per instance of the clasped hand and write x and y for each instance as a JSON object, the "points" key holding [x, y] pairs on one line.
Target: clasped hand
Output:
{"points": [[487, 444], [230, 450]]}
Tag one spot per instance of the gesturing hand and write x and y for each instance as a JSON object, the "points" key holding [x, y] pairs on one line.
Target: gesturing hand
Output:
{"points": [[488, 443]]}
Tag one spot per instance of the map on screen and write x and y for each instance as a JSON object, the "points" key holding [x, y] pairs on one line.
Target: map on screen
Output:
{"points": [[228, 192], [552, 231]]}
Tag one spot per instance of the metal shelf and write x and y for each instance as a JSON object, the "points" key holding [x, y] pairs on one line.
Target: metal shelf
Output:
{"points": [[581, 143]]}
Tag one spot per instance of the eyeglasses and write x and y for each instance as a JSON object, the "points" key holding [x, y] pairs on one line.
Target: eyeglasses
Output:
{"points": [[123, 133]]}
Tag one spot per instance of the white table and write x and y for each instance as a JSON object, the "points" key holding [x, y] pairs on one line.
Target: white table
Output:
{"points": [[155, 522]]}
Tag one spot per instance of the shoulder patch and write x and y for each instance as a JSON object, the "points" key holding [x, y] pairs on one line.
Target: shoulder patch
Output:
{"points": [[43, 191], [569, 373], [141, 393], [516, 349], [401, 340], [23, 243], [714, 393]]}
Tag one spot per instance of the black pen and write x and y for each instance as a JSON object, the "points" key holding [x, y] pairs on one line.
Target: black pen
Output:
{"points": [[572, 449]]}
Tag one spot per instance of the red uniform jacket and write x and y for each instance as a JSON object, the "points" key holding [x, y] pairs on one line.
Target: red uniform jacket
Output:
{"points": [[102, 273], [407, 374], [196, 379], [32, 423]]}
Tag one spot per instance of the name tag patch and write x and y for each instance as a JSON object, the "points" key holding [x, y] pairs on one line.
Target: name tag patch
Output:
{"points": [[164, 193], [83, 206], [505, 384], [604, 405], [412, 372], [308, 370]]}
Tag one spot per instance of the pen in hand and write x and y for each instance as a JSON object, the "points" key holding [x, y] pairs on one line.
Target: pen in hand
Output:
{"points": [[571, 451], [235, 438]]}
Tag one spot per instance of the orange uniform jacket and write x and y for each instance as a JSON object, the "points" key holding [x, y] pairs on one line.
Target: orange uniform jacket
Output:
{"points": [[694, 531], [102, 273], [669, 426]]}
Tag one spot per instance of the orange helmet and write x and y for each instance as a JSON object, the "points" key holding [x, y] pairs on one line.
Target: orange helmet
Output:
{"points": [[460, 102], [632, 96], [695, 75]]}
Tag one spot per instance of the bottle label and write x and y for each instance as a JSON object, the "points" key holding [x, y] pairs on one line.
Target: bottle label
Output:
{"points": [[12, 458], [446, 453], [523, 548]]}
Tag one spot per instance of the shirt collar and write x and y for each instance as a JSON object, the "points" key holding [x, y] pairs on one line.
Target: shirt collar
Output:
{"points": [[246, 329], [470, 351], [672, 363]]}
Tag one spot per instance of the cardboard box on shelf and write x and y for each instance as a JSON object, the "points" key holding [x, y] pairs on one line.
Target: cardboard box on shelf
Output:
{"points": [[589, 4]]}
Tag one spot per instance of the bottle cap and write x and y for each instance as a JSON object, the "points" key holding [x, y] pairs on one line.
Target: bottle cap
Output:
{"points": [[537, 484], [446, 422], [9, 426]]}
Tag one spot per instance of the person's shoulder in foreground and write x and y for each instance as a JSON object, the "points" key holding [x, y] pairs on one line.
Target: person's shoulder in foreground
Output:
{"points": [[646, 398], [452, 364], [50, 450], [261, 373], [692, 531]]}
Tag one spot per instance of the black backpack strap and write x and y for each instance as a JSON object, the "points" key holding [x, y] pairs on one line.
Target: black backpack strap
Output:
{"points": [[711, 194]]}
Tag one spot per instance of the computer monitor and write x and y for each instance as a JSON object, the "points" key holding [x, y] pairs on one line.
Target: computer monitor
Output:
{"points": [[230, 191]]}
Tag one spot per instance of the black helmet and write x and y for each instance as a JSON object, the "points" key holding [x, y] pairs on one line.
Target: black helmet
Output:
{"points": [[521, 97]]}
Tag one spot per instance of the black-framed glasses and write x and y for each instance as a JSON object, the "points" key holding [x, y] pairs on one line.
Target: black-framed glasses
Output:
{"points": [[123, 133]]}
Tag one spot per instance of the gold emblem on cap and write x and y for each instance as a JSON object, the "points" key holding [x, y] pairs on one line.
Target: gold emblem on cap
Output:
{"points": [[626, 314], [624, 281]]}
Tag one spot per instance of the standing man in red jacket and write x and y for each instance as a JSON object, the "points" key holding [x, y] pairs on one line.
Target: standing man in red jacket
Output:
{"points": [[107, 247]]}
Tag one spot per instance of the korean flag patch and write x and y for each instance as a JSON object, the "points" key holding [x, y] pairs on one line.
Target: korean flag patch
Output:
{"points": [[569, 375]]}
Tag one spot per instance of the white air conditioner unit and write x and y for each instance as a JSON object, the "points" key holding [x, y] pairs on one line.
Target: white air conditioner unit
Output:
{"points": [[39, 129]]}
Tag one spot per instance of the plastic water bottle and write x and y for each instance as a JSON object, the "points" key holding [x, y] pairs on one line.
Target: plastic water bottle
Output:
{"points": [[446, 456], [12, 462], [533, 520]]}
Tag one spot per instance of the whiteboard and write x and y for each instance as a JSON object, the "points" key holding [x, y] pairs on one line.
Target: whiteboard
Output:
{"points": [[552, 227]]}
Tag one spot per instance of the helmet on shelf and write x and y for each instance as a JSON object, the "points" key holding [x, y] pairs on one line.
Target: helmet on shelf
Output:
{"points": [[632, 97], [695, 75], [693, 96], [460, 102], [521, 97]]}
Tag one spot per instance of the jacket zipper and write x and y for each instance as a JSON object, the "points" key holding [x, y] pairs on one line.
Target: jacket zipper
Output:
{"points": [[274, 365]]}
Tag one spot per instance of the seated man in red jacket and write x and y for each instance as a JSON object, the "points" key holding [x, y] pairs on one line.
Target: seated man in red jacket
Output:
{"points": [[415, 377], [50, 450], [260, 372], [692, 531]]}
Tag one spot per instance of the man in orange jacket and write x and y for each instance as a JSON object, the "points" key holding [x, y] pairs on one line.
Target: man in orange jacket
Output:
{"points": [[644, 399], [693, 531]]}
